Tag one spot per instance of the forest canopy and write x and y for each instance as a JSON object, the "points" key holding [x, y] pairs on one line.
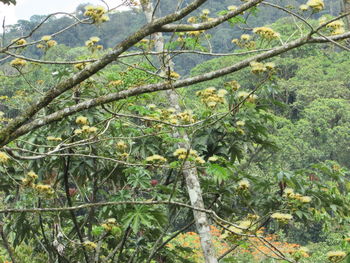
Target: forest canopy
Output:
{"points": [[177, 131]]}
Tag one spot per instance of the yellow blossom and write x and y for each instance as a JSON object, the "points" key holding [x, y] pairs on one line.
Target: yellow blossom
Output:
{"points": [[18, 63], [200, 160], [96, 13], [206, 12], [20, 41], [303, 7], [270, 66], [94, 39], [257, 67], [288, 192], [174, 75], [245, 37], [51, 43], [191, 20], [92, 129], [90, 245], [41, 46], [284, 218], [32, 175], [266, 32], [222, 92], [243, 184], [213, 158], [180, 151], [46, 38], [305, 199], [81, 120], [156, 158], [121, 145], [85, 128], [316, 5], [4, 158], [78, 131], [240, 123], [233, 84], [44, 189]]}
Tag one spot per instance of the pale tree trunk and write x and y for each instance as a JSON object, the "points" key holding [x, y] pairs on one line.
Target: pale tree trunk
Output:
{"points": [[190, 173], [345, 4]]}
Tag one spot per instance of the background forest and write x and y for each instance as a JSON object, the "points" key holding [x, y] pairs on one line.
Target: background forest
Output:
{"points": [[272, 146]]}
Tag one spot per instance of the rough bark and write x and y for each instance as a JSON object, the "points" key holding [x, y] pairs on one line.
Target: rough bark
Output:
{"points": [[190, 173]]}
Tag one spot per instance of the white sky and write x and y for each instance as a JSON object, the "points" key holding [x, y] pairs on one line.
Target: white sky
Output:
{"points": [[24, 9]]}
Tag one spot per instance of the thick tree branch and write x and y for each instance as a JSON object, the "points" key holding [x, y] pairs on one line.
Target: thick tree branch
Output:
{"points": [[210, 24], [95, 67]]}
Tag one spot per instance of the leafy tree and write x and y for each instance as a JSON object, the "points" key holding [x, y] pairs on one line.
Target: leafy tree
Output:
{"points": [[99, 164]]}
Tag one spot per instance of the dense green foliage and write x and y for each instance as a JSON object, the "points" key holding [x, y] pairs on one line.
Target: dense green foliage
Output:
{"points": [[277, 142]]}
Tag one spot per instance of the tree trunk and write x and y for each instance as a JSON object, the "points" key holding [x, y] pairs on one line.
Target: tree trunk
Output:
{"points": [[190, 173]]}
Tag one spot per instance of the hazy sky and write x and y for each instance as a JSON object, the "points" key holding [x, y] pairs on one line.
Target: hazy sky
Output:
{"points": [[26, 8]]}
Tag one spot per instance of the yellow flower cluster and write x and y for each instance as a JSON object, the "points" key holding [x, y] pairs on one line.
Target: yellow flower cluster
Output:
{"points": [[242, 227], [47, 43], [81, 120], [283, 218], [156, 158], [212, 97], [29, 180], [316, 5], [336, 27], [192, 155], [195, 33], [20, 41], [243, 95], [234, 85], [90, 245], [186, 116], [46, 38], [258, 67], [18, 63], [4, 158], [303, 7], [213, 158], [289, 193], [81, 66], [109, 224], [244, 42], [53, 138], [266, 32], [205, 12], [336, 256], [192, 20], [121, 146], [240, 123], [45, 189], [174, 75], [243, 184], [96, 13], [169, 115], [92, 44]]}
